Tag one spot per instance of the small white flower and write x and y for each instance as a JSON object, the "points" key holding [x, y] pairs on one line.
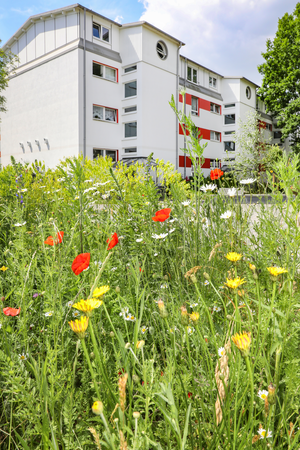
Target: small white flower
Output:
{"points": [[124, 312], [0, 326], [190, 330], [164, 286], [206, 283], [248, 181], [226, 215], [113, 269], [49, 314], [61, 179], [232, 192], [105, 196], [262, 433], [98, 263], [185, 203], [155, 254], [216, 309], [208, 187], [160, 236], [24, 190], [19, 224], [69, 304], [130, 317], [173, 220], [172, 230], [193, 305], [144, 329], [172, 330], [221, 351], [76, 314], [139, 240], [263, 394], [23, 357]]}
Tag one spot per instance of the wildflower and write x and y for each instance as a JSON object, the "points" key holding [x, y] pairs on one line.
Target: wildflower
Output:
{"points": [[193, 305], [190, 330], [76, 314], [216, 174], [50, 240], [226, 215], [216, 309], [24, 190], [252, 267], [194, 317], [3, 268], [23, 357], [263, 394], [235, 283], [8, 311], [79, 326], [221, 351], [112, 242], [190, 395], [81, 262], [124, 312], [140, 344], [162, 309], [232, 192], [19, 224], [262, 433], [208, 187], [139, 240], [164, 286], [130, 318], [36, 294], [105, 196], [144, 329], [97, 408], [242, 342], [98, 292], [87, 306], [155, 254], [48, 314], [160, 236], [233, 256], [69, 304], [184, 315], [162, 215], [185, 203], [275, 271], [206, 283], [248, 181]]}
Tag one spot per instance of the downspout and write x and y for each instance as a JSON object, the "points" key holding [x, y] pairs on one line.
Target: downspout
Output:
{"points": [[184, 111], [176, 103], [84, 84]]}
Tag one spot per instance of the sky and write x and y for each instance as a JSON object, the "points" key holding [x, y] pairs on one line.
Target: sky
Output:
{"points": [[226, 36]]}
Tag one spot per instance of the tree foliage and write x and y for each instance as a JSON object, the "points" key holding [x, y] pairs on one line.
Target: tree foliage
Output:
{"points": [[281, 76], [7, 60]]}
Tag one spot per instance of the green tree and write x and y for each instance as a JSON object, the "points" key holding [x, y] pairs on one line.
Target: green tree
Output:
{"points": [[281, 76], [7, 60]]}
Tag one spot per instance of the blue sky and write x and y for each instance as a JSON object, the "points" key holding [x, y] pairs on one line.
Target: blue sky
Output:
{"points": [[226, 36]]}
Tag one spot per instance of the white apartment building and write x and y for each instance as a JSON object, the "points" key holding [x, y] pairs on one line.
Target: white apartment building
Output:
{"points": [[84, 84]]}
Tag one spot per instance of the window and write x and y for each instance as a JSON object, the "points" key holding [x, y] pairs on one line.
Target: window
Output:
{"points": [[130, 150], [162, 50], [100, 34], [215, 108], [268, 126], [101, 152], [229, 105], [130, 69], [248, 92], [103, 113], [229, 119], [130, 129], [215, 136], [130, 89], [102, 71], [229, 132], [213, 82], [277, 134], [194, 109], [192, 74], [229, 146], [130, 109]]}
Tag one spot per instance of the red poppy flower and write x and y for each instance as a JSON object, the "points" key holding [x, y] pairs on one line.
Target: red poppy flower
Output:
{"points": [[216, 174], [190, 395], [58, 240], [81, 262], [8, 311], [112, 241], [162, 215]]}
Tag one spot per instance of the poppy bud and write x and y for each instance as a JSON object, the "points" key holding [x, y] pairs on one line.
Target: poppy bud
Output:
{"points": [[166, 277], [112, 334], [206, 276], [118, 290], [2, 299], [136, 415], [194, 278]]}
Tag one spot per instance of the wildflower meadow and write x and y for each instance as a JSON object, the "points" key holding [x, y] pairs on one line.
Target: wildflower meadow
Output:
{"points": [[135, 319]]}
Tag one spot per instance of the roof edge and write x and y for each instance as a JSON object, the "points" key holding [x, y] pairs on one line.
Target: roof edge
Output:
{"points": [[149, 25]]}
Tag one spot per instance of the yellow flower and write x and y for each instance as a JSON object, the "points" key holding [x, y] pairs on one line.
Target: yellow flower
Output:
{"points": [[242, 341], [233, 256], [87, 306], [275, 271], [252, 267], [3, 268], [194, 317], [97, 408], [79, 326], [98, 292], [233, 284], [140, 344]]}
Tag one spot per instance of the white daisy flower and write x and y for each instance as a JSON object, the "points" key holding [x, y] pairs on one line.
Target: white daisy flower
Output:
{"points": [[155, 254], [221, 351], [144, 329], [164, 286], [23, 357], [248, 181], [172, 230], [193, 305], [208, 187], [48, 314], [190, 330], [160, 236], [19, 224], [263, 394], [232, 192], [113, 269], [206, 283], [24, 190], [262, 433], [76, 314], [185, 203], [124, 312], [216, 309], [69, 304], [130, 317], [172, 330], [226, 215], [173, 220], [139, 240]]}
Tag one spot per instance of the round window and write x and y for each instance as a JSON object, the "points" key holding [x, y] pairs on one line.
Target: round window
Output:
{"points": [[162, 50], [248, 92]]}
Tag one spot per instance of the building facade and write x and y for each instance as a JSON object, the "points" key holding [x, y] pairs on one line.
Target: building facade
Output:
{"points": [[84, 84]]}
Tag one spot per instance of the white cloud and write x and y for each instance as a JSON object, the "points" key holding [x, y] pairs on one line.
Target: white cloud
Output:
{"points": [[24, 12], [227, 37], [119, 19]]}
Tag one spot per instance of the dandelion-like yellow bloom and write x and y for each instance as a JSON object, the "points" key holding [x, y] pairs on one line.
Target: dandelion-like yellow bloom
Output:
{"points": [[3, 268], [275, 271], [79, 326], [87, 306], [140, 344], [252, 267], [194, 317], [98, 292], [235, 283], [233, 256], [243, 342], [97, 408]]}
